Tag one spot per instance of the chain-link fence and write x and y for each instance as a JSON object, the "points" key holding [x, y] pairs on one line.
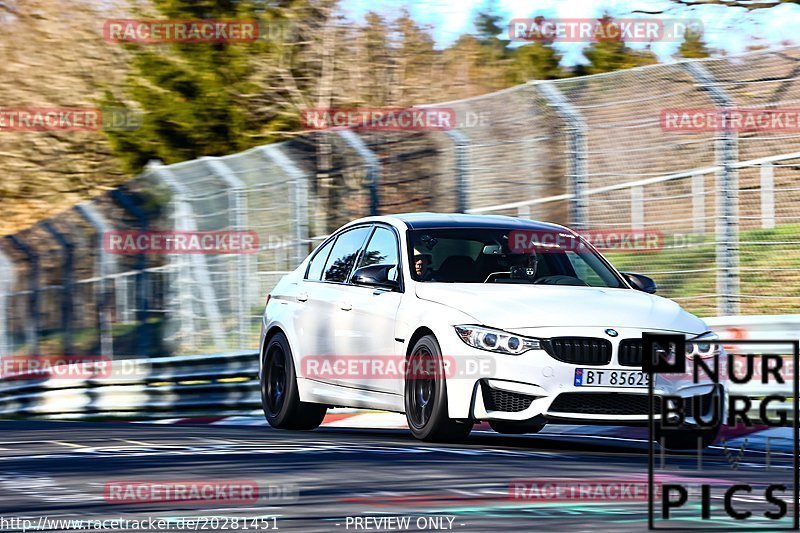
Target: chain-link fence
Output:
{"points": [[590, 152]]}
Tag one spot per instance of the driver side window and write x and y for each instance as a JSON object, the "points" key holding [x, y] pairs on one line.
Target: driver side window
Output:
{"points": [[382, 250]]}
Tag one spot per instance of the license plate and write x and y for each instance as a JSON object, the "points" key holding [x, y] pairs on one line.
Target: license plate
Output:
{"points": [[586, 377]]}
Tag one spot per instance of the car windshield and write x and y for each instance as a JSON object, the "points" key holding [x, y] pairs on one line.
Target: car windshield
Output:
{"points": [[490, 255]]}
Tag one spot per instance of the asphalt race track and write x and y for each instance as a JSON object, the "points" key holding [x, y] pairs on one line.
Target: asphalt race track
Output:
{"points": [[59, 470]]}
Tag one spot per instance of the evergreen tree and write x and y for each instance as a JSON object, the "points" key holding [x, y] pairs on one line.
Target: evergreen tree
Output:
{"points": [[693, 46], [535, 61], [376, 63], [193, 96], [610, 53], [488, 27], [417, 62], [489, 24]]}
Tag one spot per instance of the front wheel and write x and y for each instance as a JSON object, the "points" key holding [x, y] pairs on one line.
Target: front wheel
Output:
{"points": [[692, 437], [426, 396], [279, 396]]}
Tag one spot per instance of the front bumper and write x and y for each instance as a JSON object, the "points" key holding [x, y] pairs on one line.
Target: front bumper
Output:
{"points": [[537, 385], [513, 401]]}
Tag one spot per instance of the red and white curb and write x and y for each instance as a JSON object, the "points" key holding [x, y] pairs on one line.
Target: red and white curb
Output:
{"points": [[339, 418]]}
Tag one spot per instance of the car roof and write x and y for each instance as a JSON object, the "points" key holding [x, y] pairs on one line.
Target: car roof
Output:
{"points": [[457, 220]]}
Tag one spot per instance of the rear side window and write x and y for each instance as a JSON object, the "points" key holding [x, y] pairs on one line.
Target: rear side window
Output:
{"points": [[318, 262], [344, 254]]}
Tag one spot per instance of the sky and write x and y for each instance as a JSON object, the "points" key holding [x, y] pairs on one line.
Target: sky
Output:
{"points": [[726, 28]]}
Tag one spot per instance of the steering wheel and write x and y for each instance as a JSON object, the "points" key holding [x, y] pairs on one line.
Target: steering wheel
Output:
{"points": [[560, 280]]}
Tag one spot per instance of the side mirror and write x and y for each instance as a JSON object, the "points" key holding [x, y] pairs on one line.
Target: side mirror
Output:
{"points": [[640, 282], [375, 276]]}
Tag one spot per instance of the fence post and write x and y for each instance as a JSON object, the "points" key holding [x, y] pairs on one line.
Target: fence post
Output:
{"points": [[142, 304], [103, 268], [6, 283], [767, 196], [637, 208], [67, 288], [727, 226], [372, 164], [237, 220], [185, 221], [32, 331], [300, 199], [461, 143], [576, 148], [699, 204]]}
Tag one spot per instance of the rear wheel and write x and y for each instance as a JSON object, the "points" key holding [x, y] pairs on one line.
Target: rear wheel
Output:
{"points": [[279, 396], [426, 396]]}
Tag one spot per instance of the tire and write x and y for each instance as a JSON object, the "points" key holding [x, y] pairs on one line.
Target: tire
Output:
{"points": [[516, 428], [279, 396], [426, 396], [685, 439]]}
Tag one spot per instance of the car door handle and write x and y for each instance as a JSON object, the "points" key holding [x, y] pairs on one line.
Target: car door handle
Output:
{"points": [[345, 306], [302, 297]]}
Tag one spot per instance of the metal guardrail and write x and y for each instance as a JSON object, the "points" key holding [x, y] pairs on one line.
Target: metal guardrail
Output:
{"points": [[180, 386], [757, 327]]}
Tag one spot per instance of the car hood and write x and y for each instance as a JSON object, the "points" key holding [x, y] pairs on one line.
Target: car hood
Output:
{"points": [[509, 306]]}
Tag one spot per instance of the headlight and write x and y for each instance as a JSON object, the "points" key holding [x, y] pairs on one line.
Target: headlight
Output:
{"points": [[704, 345], [495, 340]]}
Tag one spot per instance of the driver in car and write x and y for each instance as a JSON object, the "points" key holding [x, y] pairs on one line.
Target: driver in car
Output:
{"points": [[422, 267]]}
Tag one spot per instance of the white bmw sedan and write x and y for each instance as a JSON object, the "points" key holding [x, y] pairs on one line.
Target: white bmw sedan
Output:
{"points": [[454, 319]]}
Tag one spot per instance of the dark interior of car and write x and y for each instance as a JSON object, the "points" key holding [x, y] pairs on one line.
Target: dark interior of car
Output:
{"points": [[502, 268]]}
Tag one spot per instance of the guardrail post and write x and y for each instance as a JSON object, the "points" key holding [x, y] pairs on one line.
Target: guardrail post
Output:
{"points": [[103, 268], [461, 143], [238, 222], [142, 304], [727, 226], [6, 283], [576, 148], [67, 288], [185, 221], [299, 201], [372, 164], [32, 331]]}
